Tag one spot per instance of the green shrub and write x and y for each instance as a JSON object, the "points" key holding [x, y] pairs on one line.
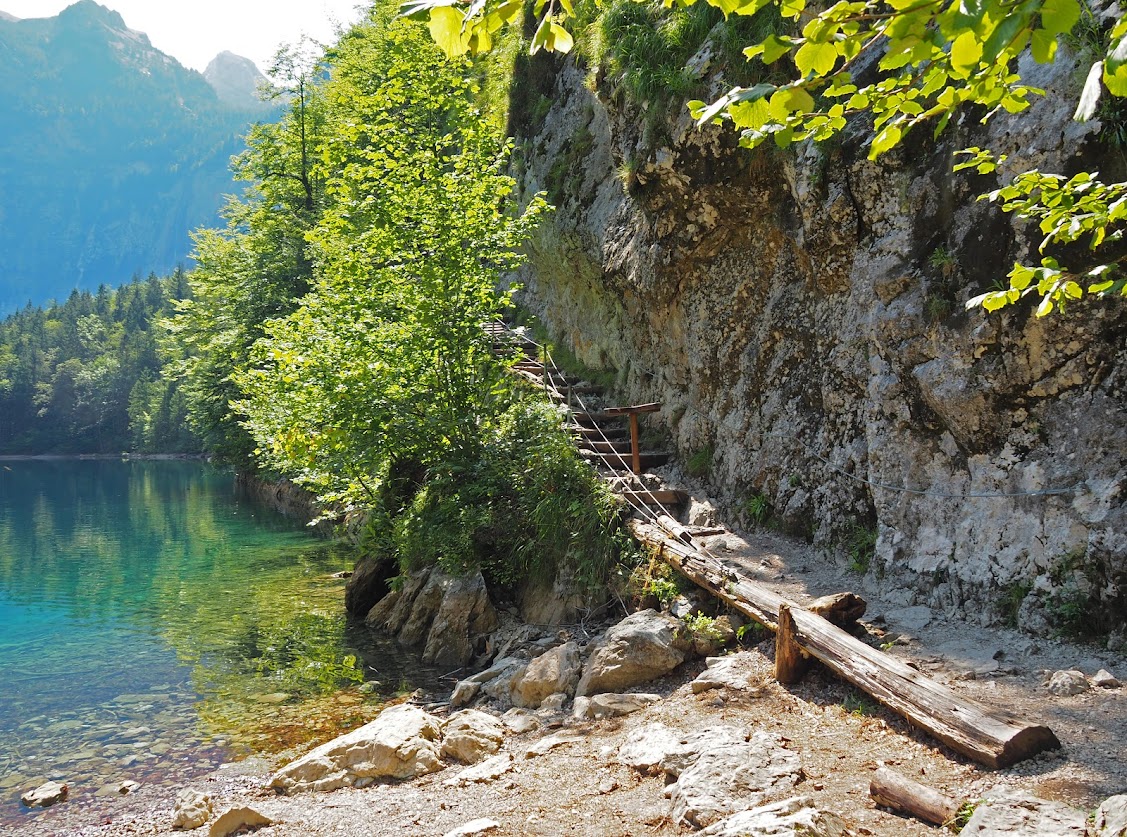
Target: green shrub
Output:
{"points": [[527, 506]]}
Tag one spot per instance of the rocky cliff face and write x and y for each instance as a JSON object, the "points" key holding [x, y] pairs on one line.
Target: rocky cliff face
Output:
{"points": [[801, 314]]}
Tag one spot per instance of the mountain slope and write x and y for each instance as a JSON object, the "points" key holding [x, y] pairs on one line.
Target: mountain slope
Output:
{"points": [[112, 152]]}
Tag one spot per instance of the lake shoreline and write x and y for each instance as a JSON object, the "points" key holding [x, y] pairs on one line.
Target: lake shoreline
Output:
{"points": [[104, 457]]}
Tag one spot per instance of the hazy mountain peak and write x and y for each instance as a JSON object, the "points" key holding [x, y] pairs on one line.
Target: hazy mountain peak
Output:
{"points": [[6, 16], [235, 79]]}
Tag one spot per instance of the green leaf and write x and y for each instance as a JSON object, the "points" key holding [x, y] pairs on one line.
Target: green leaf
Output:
{"points": [[560, 40], [1116, 79], [1059, 16], [1043, 46], [1045, 307], [815, 58], [446, 29], [966, 51], [543, 34], [888, 137]]}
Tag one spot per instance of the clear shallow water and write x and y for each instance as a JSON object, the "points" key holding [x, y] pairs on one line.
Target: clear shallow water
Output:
{"points": [[154, 624]]}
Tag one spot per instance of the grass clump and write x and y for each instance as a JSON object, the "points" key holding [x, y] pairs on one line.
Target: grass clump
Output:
{"points": [[860, 545], [699, 463]]}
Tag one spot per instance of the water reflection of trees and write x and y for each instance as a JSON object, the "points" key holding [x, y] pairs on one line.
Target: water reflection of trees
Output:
{"points": [[235, 590]]}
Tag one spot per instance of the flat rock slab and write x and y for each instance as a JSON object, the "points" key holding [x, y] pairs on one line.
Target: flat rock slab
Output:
{"points": [[1009, 814], [611, 705], [401, 743], [486, 771], [646, 747], [725, 778], [795, 817], [734, 671], [473, 827], [550, 742], [914, 618]]}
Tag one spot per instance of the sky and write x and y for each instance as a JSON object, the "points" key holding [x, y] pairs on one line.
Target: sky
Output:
{"points": [[195, 31]]}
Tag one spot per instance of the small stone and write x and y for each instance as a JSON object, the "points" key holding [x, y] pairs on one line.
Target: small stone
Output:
{"points": [[478, 826], [234, 819], [273, 698], [608, 785], [554, 703], [550, 742], [46, 794], [520, 721], [789, 817], [1105, 679], [464, 692], [193, 809], [609, 705], [128, 786], [486, 771], [580, 707], [470, 736], [1068, 683]]}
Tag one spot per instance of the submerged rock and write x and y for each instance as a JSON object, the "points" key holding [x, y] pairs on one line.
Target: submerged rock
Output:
{"points": [[49, 793], [401, 743]]}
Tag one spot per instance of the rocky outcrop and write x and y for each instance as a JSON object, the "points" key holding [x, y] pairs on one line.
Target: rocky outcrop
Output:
{"points": [[801, 315], [402, 742], [640, 648], [447, 616]]}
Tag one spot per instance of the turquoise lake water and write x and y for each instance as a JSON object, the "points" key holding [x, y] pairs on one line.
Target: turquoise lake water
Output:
{"points": [[153, 624]]}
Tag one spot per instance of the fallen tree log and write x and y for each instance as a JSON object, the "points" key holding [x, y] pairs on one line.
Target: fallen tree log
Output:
{"points": [[900, 793], [990, 737]]}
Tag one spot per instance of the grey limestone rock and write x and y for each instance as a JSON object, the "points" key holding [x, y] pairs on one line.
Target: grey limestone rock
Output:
{"points": [[1111, 818], [402, 742], [795, 817], [1068, 683], [552, 672], [469, 736], [640, 648], [722, 779], [1013, 814]]}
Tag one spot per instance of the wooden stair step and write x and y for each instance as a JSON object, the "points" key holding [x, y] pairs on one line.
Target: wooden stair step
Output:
{"points": [[605, 446], [595, 417], [659, 497], [611, 434], [624, 460]]}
